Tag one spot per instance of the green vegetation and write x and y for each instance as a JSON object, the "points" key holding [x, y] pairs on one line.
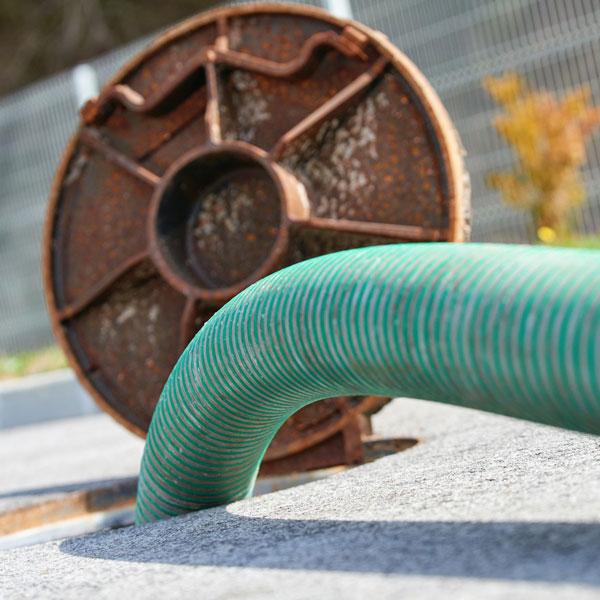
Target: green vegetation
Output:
{"points": [[38, 38], [28, 363], [590, 241], [548, 136]]}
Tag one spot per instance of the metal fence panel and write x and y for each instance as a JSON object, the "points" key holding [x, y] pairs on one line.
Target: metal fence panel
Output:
{"points": [[554, 43]]}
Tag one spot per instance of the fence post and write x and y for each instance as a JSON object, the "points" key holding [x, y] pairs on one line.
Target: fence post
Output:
{"points": [[339, 8], [85, 83]]}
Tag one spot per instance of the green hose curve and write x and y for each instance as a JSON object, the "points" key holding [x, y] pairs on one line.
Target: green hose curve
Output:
{"points": [[508, 329]]}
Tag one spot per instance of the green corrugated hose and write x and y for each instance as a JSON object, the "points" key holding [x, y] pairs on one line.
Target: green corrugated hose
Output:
{"points": [[507, 329]]}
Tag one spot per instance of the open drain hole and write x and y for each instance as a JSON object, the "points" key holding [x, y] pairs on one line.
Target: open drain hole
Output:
{"points": [[373, 449]]}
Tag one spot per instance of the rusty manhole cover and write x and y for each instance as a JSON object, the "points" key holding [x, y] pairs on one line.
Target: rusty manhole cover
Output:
{"points": [[241, 141]]}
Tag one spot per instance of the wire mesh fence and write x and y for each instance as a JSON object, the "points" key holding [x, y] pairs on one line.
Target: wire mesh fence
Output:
{"points": [[35, 125], [553, 43]]}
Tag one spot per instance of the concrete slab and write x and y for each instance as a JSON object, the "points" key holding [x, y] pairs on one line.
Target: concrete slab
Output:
{"points": [[43, 397], [483, 507], [49, 461]]}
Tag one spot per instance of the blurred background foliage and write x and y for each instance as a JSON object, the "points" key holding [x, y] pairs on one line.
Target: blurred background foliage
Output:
{"points": [[41, 37], [548, 136], [29, 363]]}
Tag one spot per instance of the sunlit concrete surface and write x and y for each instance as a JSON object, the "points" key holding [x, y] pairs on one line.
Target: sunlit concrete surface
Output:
{"points": [[48, 461], [482, 507], [43, 397]]}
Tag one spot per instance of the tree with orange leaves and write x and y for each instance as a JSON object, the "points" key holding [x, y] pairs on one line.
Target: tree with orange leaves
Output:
{"points": [[548, 136]]}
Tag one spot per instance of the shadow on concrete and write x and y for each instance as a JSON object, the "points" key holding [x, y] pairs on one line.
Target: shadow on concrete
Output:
{"points": [[527, 551]]}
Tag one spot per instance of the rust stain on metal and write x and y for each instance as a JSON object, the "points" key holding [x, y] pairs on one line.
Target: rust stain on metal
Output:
{"points": [[80, 503], [243, 140]]}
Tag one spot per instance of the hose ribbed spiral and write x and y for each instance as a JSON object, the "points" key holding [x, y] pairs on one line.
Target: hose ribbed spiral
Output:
{"points": [[507, 329]]}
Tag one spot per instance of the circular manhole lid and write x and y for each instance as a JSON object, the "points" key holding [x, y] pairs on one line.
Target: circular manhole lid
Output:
{"points": [[241, 141]]}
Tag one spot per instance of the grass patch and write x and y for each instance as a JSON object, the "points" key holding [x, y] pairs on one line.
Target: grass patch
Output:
{"points": [[588, 241], [28, 363]]}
